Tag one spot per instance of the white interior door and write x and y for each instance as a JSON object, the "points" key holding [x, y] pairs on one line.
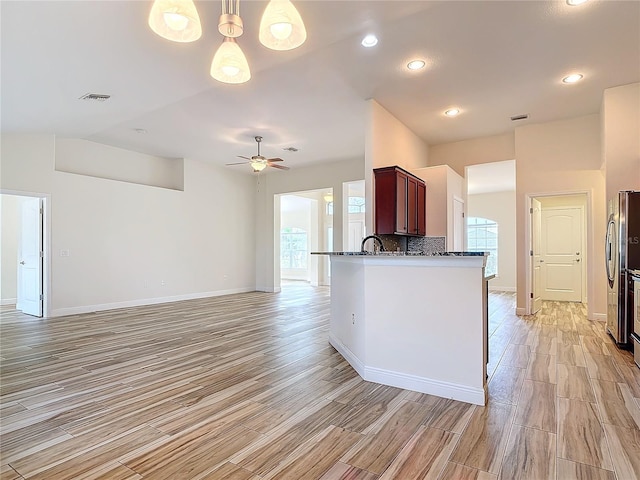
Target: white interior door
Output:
{"points": [[458, 225], [561, 244], [29, 291], [536, 260], [356, 234]]}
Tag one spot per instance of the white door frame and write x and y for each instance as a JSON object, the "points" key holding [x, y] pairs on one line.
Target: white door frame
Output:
{"points": [[587, 240], [46, 244]]}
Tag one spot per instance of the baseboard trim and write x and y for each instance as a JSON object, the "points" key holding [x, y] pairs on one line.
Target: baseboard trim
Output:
{"points": [[59, 312], [430, 386], [600, 317], [8, 301], [501, 289], [348, 355], [521, 311]]}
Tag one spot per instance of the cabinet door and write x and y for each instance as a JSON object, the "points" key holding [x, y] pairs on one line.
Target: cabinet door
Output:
{"points": [[401, 202], [385, 201], [421, 209], [412, 204]]}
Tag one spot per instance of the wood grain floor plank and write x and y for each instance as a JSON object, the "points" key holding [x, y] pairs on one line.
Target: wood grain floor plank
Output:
{"points": [[568, 470], [260, 365], [537, 406], [190, 454], [450, 415], [8, 473], [462, 472], [542, 368], [530, 454], [483, 442], [506, 384], [342, 471], [602, 367], [625, 449], [616, 404], [316, 456], [580, 434], [377, 450], [424, 457]]}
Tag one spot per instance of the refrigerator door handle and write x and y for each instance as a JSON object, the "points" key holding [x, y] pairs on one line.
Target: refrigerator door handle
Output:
{"points": [[611, 229]]}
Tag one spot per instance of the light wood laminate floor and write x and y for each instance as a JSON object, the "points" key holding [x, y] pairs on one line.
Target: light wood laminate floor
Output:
{"points": [[246, 387]]}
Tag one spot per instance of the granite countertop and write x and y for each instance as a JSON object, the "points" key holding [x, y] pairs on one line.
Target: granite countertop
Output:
{"points": [[406, 254]]}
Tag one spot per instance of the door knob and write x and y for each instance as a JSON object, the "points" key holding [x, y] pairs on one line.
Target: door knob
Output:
{"points": [[22, 262]]}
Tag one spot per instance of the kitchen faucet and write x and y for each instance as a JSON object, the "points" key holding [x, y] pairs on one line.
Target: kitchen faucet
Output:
{"points": [[376, 239]]}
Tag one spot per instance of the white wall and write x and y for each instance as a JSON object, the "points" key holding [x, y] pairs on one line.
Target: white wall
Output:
{"points": [[473, 151], [104, 161], [388, 142], [501, 207], [563, 157], [553, 157], [125, 239], [267, 209], [621, 138], [9, 235]]}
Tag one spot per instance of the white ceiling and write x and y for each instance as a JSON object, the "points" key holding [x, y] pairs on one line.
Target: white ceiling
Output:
{"points": [[491, 59]]}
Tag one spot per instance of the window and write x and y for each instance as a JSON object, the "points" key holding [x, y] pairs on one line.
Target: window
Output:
{"points": [[482, 236], [293, 248], [356, 205]]}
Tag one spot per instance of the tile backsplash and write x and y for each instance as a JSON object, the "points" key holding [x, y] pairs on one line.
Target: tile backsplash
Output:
{"points": [[393, 243], [427, 244]]}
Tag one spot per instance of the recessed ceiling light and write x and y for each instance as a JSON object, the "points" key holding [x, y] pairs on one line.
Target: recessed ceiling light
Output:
{"points": [[573, 3], [573, 78], [369, 41], [452, 112], [416, 64]]}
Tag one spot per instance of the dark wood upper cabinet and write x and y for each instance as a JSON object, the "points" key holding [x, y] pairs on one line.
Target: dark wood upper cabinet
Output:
{"points": [[399, 200]]}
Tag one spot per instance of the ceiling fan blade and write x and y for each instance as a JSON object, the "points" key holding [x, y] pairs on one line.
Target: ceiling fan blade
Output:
{"points": [[281, 167], [274, 160], [237, 163], [242, 156]]}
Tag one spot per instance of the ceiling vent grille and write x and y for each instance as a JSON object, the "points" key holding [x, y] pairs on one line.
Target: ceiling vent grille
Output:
{"points": [[97, 97], [519, 117], [291, 149]]}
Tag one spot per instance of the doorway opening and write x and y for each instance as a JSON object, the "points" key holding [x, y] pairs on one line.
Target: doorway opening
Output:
{"points": [[557, 247], [25, 252], [305, 226], [491, 219]]}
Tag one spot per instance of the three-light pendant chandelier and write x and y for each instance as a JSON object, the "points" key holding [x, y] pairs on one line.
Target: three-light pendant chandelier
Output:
{"points": [[281, 28]]}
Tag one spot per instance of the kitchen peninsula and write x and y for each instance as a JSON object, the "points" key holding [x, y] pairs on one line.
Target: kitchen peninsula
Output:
{"points": [[414, 321]]}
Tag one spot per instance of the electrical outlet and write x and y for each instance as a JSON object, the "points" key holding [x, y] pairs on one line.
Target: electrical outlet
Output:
{"points": [[353, 318], [64, 253], [162, 283]]}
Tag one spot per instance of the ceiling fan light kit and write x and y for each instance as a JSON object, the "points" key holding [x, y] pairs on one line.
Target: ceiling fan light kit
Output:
{"points": [[281, 28], [175, 20], [259, 162]]}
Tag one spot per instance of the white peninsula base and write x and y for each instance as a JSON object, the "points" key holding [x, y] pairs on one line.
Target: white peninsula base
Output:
{"points": [[414, 322]]}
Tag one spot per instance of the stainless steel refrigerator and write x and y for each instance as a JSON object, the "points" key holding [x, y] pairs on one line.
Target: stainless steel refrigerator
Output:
{"points": [[622, 250]]}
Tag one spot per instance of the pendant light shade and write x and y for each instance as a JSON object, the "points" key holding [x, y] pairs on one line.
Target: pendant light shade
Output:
{"points": [[281, 27], [175, 20], [229, 63]]}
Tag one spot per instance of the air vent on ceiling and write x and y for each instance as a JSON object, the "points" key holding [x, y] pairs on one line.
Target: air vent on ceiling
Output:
{"points": [[519, 117], [291, 149], [98, 97]]}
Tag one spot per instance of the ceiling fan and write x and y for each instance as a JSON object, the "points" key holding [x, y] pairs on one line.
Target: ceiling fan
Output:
{"points": [[258, 162]]}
